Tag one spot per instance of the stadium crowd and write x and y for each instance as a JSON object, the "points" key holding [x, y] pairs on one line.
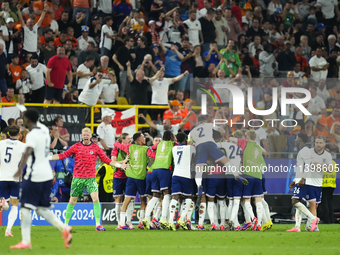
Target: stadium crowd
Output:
{"points": [[92, 53]]}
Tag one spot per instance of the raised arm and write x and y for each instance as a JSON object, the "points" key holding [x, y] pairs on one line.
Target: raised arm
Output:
{"points": [[169, 13], [179, 55], [22, 22], [95, 83], [149, 122], [164, 49], [184, 121], [63, 155], [42, 16], [207, 57], [129, 73], [179, 77], [219, 64], [156, 76], [123, 147]]}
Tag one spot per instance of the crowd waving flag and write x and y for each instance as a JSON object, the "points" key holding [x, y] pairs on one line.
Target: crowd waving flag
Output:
{"points": [[122, 121]]}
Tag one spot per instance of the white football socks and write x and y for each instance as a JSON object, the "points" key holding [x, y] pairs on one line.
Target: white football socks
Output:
{"points": [[249, 209], [12, 216], [191, 209], [234, 212], [50, 218], [165, 207], [216, 213], [172, 209], [223, 208], [117, 210], [26, 225], [211, 212], [203, 207], [246, 215], [129, 211], [266, 209], [229, 209], [298, 218], [158, 212], [259, 212], [305, 211], [141, 215], [186, 205], [122, 219], [150, 207]]}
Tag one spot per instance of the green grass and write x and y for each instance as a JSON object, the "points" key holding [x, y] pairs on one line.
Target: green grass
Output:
{"points": [[47, 240]]}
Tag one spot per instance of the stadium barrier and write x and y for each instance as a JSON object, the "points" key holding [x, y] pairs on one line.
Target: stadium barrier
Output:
{"points": [[82, 215], [92, 124]]}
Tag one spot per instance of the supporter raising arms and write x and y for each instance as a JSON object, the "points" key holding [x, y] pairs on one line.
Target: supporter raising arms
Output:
{"points": [[30, 42]]}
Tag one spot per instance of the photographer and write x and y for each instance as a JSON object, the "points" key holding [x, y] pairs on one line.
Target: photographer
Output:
{"points": [[93, 89]]}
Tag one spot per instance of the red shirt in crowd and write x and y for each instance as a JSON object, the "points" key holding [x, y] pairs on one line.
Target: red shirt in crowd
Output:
{"points": [[59, 67], [85, 158]]}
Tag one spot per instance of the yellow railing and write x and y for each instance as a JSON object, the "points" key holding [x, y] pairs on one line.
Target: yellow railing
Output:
{"points": [[119, 107], [92, 124]]}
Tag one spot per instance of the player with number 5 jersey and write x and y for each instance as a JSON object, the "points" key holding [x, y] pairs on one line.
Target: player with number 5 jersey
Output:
{"points": [[11, 151]]}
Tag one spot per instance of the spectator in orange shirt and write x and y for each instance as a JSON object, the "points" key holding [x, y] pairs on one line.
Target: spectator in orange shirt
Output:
{"points": [[48, 33], [334, 117], [334, 92], [279, 43], [173, 114], [83, 6], [256, 60], [70, 35], [60, 41], [192, 118], [15, 68], [38, 8], [9, 97], [58, 9], [300, 58], [322, 129]]}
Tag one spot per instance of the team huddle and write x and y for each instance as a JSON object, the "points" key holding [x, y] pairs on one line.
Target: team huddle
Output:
{"points": [[170, 174]]}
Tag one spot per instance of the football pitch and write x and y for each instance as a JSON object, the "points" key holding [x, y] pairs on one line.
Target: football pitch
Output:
{"points": [[47, 240]]}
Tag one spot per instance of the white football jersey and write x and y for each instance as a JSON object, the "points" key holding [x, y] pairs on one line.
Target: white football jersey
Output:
{"points": [[202, 133], [38, 165], [11, 151], [314, 178], [182, 160], [233, 153], [303, 161]]}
